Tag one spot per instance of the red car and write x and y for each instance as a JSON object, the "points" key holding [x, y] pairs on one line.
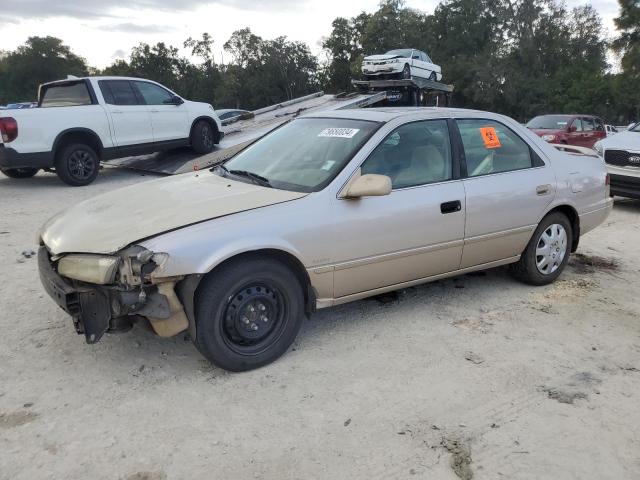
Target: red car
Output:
{"points": [[580, 130]]}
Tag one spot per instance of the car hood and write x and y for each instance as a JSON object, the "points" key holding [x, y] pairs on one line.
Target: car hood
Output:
{"points": [[624, 140], [109, 222], [382, 57]]}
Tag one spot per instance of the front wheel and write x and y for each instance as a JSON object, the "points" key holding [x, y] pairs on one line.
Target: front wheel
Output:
{"points": [[77, 165], [19, 172], [203, 137], [433, 77], [406, 72], [547, 253], [248, 313]]}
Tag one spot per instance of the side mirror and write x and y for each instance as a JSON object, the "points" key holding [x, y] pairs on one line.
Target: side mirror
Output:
{"points": [[369, 185]]}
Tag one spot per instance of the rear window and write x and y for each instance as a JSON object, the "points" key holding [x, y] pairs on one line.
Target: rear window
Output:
{"points": [[66, 95]]}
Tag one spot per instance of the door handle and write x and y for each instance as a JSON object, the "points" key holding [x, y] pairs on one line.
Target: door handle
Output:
{"points": [[154, 111], [117, 111], [543, 189], [451, 207]]}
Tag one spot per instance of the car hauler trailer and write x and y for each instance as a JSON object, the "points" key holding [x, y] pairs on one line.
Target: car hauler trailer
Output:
{"points": [[413, 92], [243, 132]]}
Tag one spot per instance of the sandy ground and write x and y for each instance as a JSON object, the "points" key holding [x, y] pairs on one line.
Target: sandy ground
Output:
{"points": [[479, 376]]}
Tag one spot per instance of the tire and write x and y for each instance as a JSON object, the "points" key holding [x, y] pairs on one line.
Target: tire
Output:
{"points": [[19, 172], [531, 268], [77, 165], [433, 77], [406, 72], [203, 137], [234, 303]]}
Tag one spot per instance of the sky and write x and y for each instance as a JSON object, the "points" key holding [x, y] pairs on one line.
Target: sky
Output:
{"points": [[104, 30]]}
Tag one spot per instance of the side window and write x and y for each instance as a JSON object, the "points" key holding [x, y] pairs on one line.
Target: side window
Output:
{"points": [[153, 94], [414, 154], [118, 92], [599, 125], [587, 124], [491, 147], [71, 94], [577, 123], [426, 58]]}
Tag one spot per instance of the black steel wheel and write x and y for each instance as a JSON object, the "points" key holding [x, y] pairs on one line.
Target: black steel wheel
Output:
{"points": [[77, 165], [248, 312], [203, 137], [19, 172]]}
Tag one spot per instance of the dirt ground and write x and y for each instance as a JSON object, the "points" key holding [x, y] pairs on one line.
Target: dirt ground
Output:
{"points": [[475, 377]]}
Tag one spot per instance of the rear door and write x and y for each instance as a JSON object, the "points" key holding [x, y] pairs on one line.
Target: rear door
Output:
{"points": [[575, 132], [508, 187], [169, 121], [130, 119], [589, 134]]}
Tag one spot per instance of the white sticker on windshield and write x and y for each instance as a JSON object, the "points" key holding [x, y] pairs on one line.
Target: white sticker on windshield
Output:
{"points": [[328, 164], [339, 132]]}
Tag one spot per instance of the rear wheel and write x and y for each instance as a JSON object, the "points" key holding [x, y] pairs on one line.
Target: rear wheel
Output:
{"points": [[248, 313], [77, 165], [547, 253], [203, 137], [19, 172]]}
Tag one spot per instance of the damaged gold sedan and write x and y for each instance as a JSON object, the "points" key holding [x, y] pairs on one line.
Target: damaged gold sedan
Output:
{"points": [[324, 210]]}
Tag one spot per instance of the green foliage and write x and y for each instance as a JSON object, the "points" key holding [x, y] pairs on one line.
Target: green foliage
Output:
{"points": [[39, 60], [517, 57]]}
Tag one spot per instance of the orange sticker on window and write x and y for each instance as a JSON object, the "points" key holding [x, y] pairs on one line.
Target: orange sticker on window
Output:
{"points": [[490, 137]]}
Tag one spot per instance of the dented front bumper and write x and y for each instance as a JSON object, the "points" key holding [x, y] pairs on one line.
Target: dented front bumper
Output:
{"points": [[97, 309]]}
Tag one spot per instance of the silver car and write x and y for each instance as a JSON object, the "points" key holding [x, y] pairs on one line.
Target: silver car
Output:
{"points": [[329, 208]]}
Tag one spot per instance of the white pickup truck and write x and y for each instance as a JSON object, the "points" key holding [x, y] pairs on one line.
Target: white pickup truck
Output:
{"points": [[81, 121]]}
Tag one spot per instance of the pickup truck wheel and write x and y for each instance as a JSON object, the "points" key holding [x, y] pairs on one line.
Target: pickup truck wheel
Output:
{"points": [[203, 137], [77, 165], [248, 313], [547, 253], [19, 172]]}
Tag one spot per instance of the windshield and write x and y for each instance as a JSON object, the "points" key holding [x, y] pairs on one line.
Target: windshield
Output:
{"points": [[303, 155], [404, 52], [549, 122]]}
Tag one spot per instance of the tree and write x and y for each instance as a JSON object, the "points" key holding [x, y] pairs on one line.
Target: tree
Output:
{"points": [[39, 60]]}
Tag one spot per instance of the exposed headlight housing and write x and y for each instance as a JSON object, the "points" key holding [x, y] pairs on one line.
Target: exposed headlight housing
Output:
{"points": [[97, 269], [548, 138]]}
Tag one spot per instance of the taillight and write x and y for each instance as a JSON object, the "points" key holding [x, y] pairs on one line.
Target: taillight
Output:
{"points": [[8, 129], [607, 181]]}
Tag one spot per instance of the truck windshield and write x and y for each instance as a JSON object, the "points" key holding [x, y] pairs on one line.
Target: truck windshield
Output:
{"points": [[70, 94], [404, 52], [304, 155], [549, 122]]}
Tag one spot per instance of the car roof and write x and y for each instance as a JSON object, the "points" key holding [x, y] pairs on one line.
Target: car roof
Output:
{"points": [[567, 115], [71, 78], [386, 114]]}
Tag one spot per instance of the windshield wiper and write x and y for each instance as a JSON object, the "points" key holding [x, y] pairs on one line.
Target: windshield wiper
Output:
{"points": [[258, 179]]}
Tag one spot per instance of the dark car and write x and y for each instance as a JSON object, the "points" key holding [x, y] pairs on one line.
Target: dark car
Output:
{"points": [[580, 130]]}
